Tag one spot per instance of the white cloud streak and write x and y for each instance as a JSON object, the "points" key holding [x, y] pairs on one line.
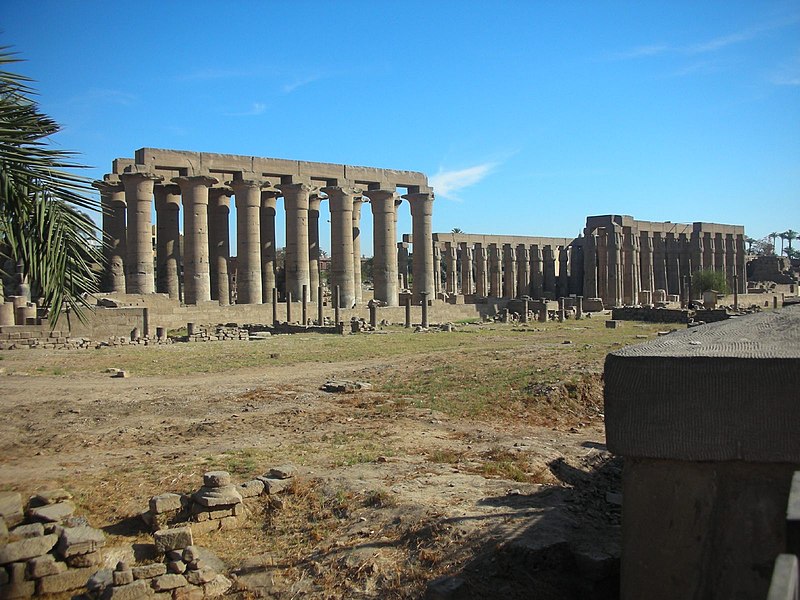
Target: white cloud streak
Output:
{"points": [[446, 184], [256, 109]]}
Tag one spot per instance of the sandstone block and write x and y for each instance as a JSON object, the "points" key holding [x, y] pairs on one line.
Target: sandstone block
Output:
{"points": [[191, 553], [11, 508], [252, 488], [214, 479], [220, 514], [283, 472], [230, 523], [49, 497], [190, 592], [149, 571], [26, 531], [169, 581], [203, 527], [4, 578], [122, 577], [80, 540], [274, 486], [18, 589], [164, 503], [218, 496], [3, 531], [217, 587], [71, 579], [45, 565], [133, 591], [85, 560], [201, 576], [53, 513], [176, 566], [26, 548], [173, 539]]}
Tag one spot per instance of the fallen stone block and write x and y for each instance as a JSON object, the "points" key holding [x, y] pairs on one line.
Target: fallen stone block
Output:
{"points": [[612, 324], [71, 579], [249, 489], [176, 566], [189, 592], [122, 577], [217, 496], [168, 582], [201, 576], [11, 508], [18, 589], [3, 531], [274, 486], [42, 566], [283, 472], [216, 479], [133, 591], [80, 540], [99, 581], [26, 531], [172, 539], [347, 387], [89, 559], [52, 513], [149, 571], [165, 503], [218, 586], [26, 548], [204, 527], [190, 554], [49, 497]]}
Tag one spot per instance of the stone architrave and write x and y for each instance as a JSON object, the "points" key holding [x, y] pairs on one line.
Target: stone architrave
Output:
{"points": [[112, 199], [537, 272], [341, 200], [523, 270], [480, 271], [247, 192], [139, 200], [168, 240], [466, 268], [422, 238], [296, 196], [269, 201], [358, 292], [219, 243], [384, 241], [450, 267], [509, 272], [314, 200], [196, 277]]}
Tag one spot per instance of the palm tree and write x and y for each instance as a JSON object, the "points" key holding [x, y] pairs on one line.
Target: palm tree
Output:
{"points": [[41, 227], [749, 241], [790, 235], [456, 230], [773, 236]]}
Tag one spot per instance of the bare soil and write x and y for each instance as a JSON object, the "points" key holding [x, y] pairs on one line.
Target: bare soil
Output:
{"points": [[390, 495]]}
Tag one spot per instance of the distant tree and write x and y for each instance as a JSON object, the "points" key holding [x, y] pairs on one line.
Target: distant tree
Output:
{"points": [[749, 241], [456, 230], [763, 247], [774, 236], [708, 279], [793, 254], [789, 235]]}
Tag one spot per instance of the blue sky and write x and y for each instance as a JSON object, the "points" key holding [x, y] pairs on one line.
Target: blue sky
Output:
{"points": [[526, 116]]}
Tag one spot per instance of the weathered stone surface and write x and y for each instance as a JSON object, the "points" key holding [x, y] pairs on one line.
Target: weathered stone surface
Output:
{"points": [[149, 571], [165, 502], [3, 531], [26, 531], [176, 566], [4, 579], [49, 497], [169, 581], [133, 591], [201, 576], [89, 559], [252, 488], [122, 577], [71, 579], [53, 513], [215, 479], [173, 539], [11, 508], [189, 592], [18, 589], [274, 486], [217, 587], [190, 553], [445, 588], [27, 548], [283, 472], [99, 581], [80, 540], [230, 523], [218, 496], [44, 565], [203, 527]]}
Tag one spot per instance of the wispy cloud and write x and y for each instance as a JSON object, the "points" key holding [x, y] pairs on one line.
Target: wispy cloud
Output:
{"points": [[255, 109], [787, 73], [446, 184], [299, 82]]}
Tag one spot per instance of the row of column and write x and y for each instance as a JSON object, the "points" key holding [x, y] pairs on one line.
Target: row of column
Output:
{"points": [[620, 262], [512, 271], [127, 202]]}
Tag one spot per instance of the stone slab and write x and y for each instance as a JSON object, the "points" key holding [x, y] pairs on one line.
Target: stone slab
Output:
{"points": [[26, 531], [149, 571], [44, 565], [80, 540], [26, 548], [50, 497], [165, 503], [133, 591], [217, 587], [52, 513], [169, 581], [172, 539], [217, 496], [11, 508], [250, 489], [216, 479], [71, 579]]}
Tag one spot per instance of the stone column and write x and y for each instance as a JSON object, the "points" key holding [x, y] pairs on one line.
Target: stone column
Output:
{"points": [[219, 243], [296, 202], [646, 260], [466, 269], [196, 277], [249, 284], [509, 272], [112, 199], [402, 264], [659, 262], [384, 246], [341, 203], [549, 271], [563, 271], [719, 253], [523, 270], [139, 199], [730, 260], [614, 266], [672, 264], [481, 287], [741, 264], [422, 238], [628, 296], [269, 202], [684, 261], [696, 243], [495, 272], [635, 268], [589, 264], [358, 291], [576, 267], [708, 251], [450, 267], [437, 269], [537, 272], [168, 240], [314, 200]]}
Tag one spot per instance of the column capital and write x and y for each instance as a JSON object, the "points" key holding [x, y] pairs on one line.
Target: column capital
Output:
{"points": [[377, 196], [191, 181], [220, 196], [421, 201], [167, 196], [136, 177], [338, 190], [108, 185], [294, 188], [269, 197], [243, 183]]}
